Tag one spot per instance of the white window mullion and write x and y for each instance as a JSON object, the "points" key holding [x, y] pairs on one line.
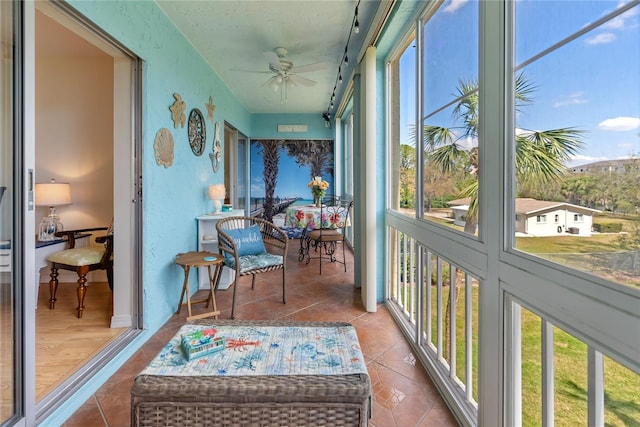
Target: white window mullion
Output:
{"points": [[595, 392], [548, 409]]}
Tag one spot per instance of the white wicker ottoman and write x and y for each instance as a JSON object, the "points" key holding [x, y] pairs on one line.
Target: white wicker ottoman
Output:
{"points": [[260, 400]]}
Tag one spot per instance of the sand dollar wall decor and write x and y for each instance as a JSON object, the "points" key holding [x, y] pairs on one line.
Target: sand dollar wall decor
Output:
{"points": [[163, 147]]}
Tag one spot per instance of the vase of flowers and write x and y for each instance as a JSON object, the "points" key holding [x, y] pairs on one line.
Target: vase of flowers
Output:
{"points": [[318, 188]]}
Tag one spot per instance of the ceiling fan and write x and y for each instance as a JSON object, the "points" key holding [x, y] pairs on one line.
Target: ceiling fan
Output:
{"points": [[285, 74]]}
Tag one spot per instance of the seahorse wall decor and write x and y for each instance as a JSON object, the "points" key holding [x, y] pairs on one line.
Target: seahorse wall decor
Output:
{"points": [[216, 154]]}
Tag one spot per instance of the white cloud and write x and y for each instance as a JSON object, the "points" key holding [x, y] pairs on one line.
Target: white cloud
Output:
{"points": [[576, 98], [601, 38], [622, 21], [620, 124], [454, 5]]}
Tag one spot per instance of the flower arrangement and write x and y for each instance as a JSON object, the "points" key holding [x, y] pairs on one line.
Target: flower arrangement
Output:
{"points": [[318, 188]]}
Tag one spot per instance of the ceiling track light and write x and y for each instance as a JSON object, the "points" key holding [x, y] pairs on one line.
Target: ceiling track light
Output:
{"points": [[355, 28], [356, 24]]}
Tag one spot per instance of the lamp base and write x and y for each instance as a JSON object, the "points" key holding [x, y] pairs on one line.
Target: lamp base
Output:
{"points": [[217, 206], [48, 227]]}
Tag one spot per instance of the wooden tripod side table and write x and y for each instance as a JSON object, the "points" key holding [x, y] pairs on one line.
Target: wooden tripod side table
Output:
{"points": [[200, 259]]}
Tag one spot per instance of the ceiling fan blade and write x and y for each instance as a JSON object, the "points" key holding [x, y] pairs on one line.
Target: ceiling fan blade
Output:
{"points": [[250, 71], [309, 67], [274, 61], [270, 81], [299, 80]]}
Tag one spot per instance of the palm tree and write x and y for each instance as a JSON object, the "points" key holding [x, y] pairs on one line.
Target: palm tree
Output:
{"points": [[271, 157], [539, 155], [318, 154]]}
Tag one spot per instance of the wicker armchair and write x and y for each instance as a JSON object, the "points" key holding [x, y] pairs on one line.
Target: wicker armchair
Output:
{"points": [[243, 252]]}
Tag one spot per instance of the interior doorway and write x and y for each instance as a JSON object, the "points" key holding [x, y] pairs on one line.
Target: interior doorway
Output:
{"points": [[87, 128], [236, 167]]}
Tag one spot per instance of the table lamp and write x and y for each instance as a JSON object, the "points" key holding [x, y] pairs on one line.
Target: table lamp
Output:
{"points": [[52, 194], [217, 193]]}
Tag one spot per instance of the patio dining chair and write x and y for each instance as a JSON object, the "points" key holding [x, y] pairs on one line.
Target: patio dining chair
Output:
{"points": [[335, 217], [82, 261], [251, 246]]}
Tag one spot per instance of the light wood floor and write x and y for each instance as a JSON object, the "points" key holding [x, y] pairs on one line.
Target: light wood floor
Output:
{"points": [[65, 343]]}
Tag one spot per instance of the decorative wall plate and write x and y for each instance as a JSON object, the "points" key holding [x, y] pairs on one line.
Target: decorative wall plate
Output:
{"points": [[197, 132]]}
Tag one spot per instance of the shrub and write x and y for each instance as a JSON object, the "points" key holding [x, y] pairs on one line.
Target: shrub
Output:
{"points": [[608, 227]]}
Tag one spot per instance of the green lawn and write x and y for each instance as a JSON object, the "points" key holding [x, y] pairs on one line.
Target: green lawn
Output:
{"points": [[622, 386], [568, 244]]}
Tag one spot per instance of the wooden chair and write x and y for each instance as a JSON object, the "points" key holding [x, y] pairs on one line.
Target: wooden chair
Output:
{"points": [[82, 261], [251, 246], [335, 217]]}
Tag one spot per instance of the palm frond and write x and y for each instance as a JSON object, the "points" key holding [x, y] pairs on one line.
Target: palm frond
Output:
{"points": [[435, 136], [446, 157]]}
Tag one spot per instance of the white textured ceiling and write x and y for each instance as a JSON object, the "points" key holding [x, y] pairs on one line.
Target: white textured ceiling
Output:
{"points": [[232, 36]]}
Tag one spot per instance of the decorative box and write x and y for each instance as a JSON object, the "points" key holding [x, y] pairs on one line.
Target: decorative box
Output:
{"points": [[199, 343]]}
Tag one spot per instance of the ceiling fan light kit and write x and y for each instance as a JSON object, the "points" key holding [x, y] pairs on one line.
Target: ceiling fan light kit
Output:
{"points": [[286, 74]]}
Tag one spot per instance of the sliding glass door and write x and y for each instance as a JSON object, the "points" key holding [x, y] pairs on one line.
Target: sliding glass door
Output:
{"points": [[9, 295]]}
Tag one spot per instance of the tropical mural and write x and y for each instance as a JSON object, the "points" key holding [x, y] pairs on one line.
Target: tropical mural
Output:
{"points": [[281, 170]]}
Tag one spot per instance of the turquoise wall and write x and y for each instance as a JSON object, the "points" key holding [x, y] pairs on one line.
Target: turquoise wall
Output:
{"points": [[172, 197], [266, 126]]}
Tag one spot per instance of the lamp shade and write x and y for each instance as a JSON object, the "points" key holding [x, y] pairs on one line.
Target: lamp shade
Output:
{"points": [[217, 191], [53, 194]]}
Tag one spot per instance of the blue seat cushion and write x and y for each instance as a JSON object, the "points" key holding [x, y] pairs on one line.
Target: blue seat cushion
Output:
{"points": [[248, 240], [254, 262]]}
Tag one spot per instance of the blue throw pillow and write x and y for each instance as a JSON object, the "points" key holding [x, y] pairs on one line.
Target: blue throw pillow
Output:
{"points": [[248, 240]]}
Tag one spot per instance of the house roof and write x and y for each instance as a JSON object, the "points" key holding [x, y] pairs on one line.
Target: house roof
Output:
{"points": [[529, 206]]}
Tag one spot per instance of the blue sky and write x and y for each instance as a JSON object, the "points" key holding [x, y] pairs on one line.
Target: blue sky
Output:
{"points": [[592, 83]]}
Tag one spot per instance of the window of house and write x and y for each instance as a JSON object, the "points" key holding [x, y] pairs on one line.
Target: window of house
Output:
{"points": [[541, 219], [556, 218], [578, 218]]}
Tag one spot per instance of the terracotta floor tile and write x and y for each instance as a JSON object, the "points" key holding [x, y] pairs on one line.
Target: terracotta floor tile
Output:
{"points": [[88, 415], [403, 395]]}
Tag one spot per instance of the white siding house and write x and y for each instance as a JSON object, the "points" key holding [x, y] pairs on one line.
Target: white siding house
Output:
{"points": [[542, 218], [539, 217]]}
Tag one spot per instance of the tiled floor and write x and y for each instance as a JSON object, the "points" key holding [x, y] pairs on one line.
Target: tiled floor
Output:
{"points": [[403, 394]]}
